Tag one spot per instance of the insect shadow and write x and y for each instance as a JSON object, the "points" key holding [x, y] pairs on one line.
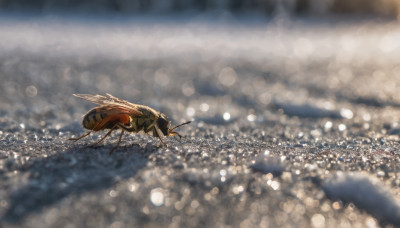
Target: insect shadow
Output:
{"points": [[72, 172]]}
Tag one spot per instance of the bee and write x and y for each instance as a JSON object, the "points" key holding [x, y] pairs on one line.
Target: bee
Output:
{"points": [[113, 114]]}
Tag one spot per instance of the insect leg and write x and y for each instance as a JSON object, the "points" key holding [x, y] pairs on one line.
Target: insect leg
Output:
{"points": [[129, 128], [83, 136], [177, 139], [105, 136], [119, 141], [158, 135], [174, 133]]}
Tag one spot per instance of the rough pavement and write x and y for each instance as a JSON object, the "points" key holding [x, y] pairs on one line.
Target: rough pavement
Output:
{"points": [[295, 124]]}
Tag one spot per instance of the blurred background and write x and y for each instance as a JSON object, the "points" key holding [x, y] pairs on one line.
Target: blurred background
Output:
{"points": [[320, 52], [255, 55], [315, 83], [265, 7]]}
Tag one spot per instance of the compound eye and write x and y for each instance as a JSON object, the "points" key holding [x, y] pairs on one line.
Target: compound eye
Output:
{"points": [[163, 123]]}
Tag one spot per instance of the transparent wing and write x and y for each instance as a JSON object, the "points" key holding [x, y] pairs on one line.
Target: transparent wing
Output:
{"points": [[111, 101]]}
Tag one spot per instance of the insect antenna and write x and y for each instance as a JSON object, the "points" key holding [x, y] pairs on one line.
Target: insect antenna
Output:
{"points": [[174, 133], [170, 130]]}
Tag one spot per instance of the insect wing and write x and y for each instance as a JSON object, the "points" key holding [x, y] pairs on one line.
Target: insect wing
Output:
{"points": [[118, 110], [111, 102]]}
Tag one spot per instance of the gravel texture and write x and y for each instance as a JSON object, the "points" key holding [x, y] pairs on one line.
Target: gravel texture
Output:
{"points": [[295, 123]]}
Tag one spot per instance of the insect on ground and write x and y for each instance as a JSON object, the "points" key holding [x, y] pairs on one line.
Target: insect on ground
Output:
{"points": [[114, 113]]}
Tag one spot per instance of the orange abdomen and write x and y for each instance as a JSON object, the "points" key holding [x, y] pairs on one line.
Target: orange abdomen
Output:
{"points": [[98, 119]]}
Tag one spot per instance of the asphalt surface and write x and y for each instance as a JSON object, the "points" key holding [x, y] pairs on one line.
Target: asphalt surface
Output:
{"points": [[295, 124]]}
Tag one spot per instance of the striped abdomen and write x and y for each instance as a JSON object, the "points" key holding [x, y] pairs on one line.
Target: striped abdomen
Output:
{"points": [[93, 119], [105, 118], [108, 117]]}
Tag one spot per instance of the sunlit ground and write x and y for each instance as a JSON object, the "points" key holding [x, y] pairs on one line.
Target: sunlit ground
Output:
{"points": [[279, 39], [339, 57], [295, 121]]}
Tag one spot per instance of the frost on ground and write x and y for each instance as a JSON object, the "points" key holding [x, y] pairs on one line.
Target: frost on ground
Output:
{"points": [[366, 193], [278, 108]]}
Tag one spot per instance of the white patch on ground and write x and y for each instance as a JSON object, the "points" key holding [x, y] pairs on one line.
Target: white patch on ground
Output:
{"points": [[365, 192]]}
